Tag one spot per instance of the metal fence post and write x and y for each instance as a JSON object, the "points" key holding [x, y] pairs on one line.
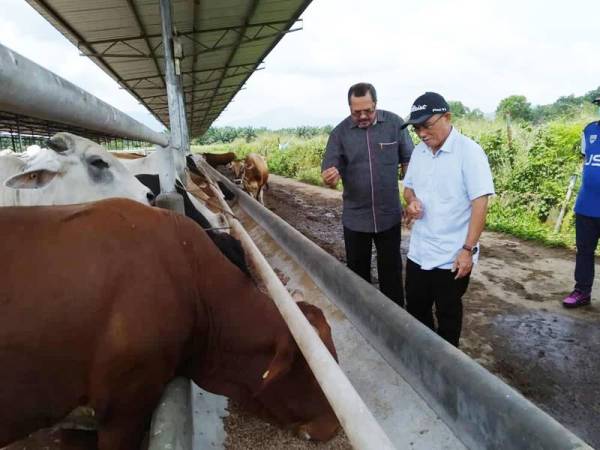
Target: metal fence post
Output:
{"points": [[563, 209]]}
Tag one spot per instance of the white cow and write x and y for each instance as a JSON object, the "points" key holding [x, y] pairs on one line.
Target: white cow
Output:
{"points": [[31, 152], [153, 164], [75, 170]]}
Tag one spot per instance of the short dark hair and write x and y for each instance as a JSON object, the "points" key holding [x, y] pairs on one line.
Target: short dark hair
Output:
{"points": [[361, 89]]}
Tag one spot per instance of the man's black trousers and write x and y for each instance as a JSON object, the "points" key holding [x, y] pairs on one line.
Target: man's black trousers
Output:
{"points": [[426, 287], [587, 232], [389, 264]]}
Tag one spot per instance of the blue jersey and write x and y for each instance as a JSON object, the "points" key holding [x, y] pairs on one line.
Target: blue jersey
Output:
{"points": [[588, 200]]}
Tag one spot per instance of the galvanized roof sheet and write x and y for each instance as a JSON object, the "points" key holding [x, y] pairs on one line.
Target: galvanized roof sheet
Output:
{"points": [[223, 41]]}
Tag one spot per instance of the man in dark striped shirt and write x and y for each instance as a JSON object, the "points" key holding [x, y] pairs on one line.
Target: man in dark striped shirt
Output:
{"points": [[365, 151]]}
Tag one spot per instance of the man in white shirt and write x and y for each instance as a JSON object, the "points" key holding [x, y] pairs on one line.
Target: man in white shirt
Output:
{"points": [[446, 188]]}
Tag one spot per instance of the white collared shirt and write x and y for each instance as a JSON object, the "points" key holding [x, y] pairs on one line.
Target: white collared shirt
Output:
{"points": [[446, 182]]}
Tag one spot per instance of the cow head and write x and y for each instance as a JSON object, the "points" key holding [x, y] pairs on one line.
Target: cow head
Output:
{"points": [[238, 168], [289, 377], [77, 170], [261, 367]]}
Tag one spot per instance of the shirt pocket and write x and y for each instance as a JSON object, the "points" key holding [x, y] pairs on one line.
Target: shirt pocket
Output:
{"points": [[388, 152]]}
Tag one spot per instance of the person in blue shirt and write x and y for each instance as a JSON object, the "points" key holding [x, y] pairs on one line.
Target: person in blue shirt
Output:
{"points": [[587, 216], [446, 188]]}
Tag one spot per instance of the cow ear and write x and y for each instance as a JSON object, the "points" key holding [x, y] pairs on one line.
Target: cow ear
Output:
{"points": [[33, 179], [250, 166], [281, 363], [318, 321]]}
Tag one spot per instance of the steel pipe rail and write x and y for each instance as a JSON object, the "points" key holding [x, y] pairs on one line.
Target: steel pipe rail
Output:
{"points": [[30, 90], [481, 410], [360, 426]]}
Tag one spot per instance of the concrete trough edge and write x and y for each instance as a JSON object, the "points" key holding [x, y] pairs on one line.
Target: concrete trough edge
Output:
{"points": [[172, 426]]}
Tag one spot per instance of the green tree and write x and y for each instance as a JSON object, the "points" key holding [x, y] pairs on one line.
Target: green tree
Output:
{"points": [[475, 114], [248, 133], [458, 109], [515, 107], [461, 111], [591, 95]]}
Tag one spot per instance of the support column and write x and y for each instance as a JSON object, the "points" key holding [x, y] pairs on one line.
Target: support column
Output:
{"points": [[169, 198]]}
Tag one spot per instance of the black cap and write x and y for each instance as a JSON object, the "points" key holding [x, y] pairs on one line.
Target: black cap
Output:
{"points": [[596, 101], [425, 106]]}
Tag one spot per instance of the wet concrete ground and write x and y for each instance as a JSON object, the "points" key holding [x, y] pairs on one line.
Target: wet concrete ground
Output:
{"points": [[514, 325]]}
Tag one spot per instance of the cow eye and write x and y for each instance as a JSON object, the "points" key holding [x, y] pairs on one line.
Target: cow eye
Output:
{"points": [[99, 163]]}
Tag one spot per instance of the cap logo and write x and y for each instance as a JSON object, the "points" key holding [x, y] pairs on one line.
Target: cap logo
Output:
{"points": [[593, 138], [438, 109], [417, 108]]}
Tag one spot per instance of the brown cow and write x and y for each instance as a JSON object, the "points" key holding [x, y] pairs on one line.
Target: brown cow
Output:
{"points": [[127, 155], [252, 174], [218, 159], [103, 304]]}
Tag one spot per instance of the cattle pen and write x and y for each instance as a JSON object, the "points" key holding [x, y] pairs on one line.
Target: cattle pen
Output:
{"points": [[398, 385]]}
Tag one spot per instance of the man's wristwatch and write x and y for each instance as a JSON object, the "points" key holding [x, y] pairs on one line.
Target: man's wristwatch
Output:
{"points": [[471, 250]]}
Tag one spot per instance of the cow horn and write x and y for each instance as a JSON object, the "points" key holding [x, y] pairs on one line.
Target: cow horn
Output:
{"points": [[57, 143]]}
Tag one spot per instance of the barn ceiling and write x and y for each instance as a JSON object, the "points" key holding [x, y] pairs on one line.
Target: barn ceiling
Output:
{"points": [[223, 41]]}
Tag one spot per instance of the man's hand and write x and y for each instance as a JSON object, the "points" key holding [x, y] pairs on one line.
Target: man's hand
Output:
{"points": [[330, 176], [413, 211], [462, 264]]}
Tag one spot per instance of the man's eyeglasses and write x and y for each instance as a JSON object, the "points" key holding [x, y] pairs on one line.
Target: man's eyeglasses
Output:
{"points": [[427, 126], [366, 112]]}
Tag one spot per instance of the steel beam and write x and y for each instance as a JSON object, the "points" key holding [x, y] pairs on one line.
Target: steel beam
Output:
{"points": [[186, 34], [193, 72], [179, 132], [195, 9], [138, 20], [251, 10], [189, 91]]}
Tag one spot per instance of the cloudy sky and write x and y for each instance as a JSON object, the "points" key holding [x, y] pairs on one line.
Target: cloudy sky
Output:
{"points": [[474, 51]]}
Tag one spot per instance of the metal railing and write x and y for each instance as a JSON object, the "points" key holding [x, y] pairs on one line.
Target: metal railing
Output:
{"points": [[27, 88]]}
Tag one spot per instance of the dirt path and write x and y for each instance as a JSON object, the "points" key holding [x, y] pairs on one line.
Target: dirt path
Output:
{"points": [[515, 325]]}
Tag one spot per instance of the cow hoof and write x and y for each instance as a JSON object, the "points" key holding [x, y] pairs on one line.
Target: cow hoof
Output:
{"points": [[304, 435]]}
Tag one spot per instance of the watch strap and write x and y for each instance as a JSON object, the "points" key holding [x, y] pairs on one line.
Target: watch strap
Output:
{"points": [[470, 249]]}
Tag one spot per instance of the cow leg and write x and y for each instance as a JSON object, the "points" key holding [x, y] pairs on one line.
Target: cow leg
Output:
{"points": [[122, 436], [124, 399], [260, 195], [127, 420]]}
